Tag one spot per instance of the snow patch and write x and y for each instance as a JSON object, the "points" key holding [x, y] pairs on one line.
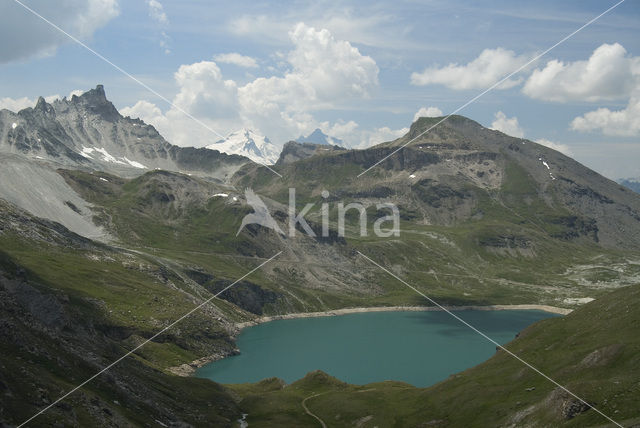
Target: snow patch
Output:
{"points": [[90, 152], [544, 162], [578, 300], [221, 195], [14, 125], [104, 179], [135, 164], [412, 176], [106, 157]]}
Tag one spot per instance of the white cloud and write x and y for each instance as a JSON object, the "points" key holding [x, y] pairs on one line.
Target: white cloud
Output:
{"points": [[562, 148], [144, 110], [427, 112], [24, 35], [321, 73], [346, 131], [17, 104], [156, 12], [367, 27], [383, 134], [625, 122], [508, 125], [76, 92], [511, 126], [489, 67], [236, 59], [608, 74], [204, 92]]}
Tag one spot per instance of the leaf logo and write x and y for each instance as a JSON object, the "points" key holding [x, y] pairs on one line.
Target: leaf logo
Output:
{"points": [[260, 214]]}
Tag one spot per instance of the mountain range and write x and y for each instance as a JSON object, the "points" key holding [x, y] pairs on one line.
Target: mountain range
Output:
{"points": [[108, 233]]}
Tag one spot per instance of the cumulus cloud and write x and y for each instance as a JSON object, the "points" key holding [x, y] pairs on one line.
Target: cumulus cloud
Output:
{"points": [[24, 35], [204, 94], [489, 67], [381, 135], [156, 12], [511, 126], [144, 110], [625, 122], [236, 59], [427, 112], [321, 72], [508, 125], [17, 104], [562, 148], [608, 74]]}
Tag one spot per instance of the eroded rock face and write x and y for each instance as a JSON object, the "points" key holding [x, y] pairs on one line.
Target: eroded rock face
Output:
{"points": [[572, 408], [566, 405]]}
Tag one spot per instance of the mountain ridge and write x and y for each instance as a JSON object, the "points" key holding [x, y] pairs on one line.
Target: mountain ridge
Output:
{"points": [[87, 131]]}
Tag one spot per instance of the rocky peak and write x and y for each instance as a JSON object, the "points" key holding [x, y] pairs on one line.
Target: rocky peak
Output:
{"points": [[95, 100], [43, 106]]}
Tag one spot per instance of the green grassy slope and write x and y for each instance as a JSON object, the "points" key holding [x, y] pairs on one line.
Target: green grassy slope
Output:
{"points": [[512, 248], [71, 307]]}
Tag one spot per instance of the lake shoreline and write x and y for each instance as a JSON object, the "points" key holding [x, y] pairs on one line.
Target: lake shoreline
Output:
{"points": [[188, 369], [347, 311]]}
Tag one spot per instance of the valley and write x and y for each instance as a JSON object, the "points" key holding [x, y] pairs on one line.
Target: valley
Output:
{"points": [[98, 254]]}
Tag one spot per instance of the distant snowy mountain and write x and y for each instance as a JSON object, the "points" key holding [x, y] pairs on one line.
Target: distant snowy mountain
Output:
{"points": [[319, 137], [248, 143], [631, 183]]}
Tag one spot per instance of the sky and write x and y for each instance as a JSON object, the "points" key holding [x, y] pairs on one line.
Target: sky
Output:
{"points": [[361, 71]]}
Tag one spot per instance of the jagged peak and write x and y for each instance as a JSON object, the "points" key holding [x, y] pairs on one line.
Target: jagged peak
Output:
{"points": [[97, 94], [95, 100], [41, 103], [43, 106]]}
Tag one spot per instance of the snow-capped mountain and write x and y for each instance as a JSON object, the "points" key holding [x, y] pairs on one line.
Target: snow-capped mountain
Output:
{"points": [[248, 143], [319, 137]]}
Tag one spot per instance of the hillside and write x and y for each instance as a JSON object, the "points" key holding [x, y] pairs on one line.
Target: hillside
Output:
{"points": [[69, 307]]}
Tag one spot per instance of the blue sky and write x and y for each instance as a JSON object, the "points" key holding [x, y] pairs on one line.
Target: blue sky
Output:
{"points": [[359, 70]]}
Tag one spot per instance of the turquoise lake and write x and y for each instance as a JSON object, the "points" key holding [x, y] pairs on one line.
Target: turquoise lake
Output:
{"points": [[420, 348]]}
